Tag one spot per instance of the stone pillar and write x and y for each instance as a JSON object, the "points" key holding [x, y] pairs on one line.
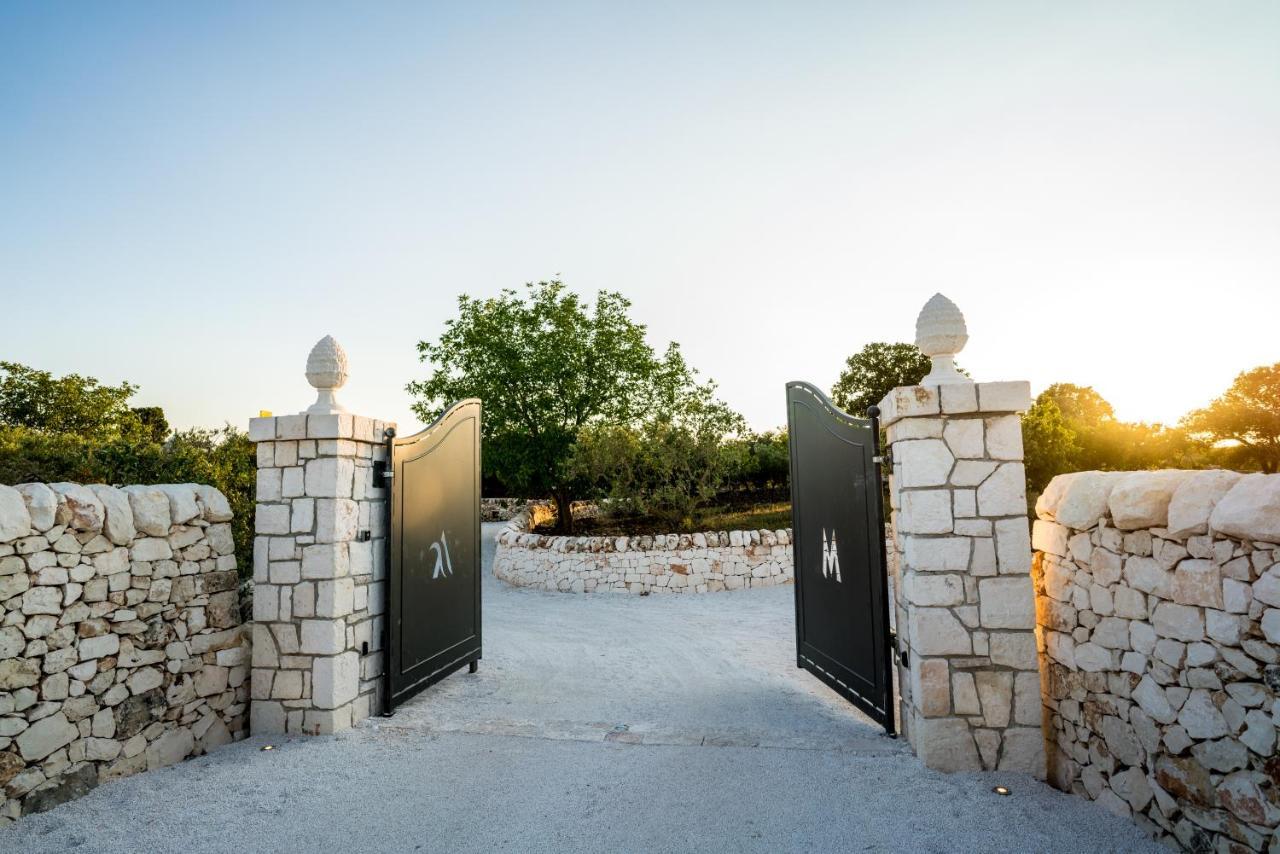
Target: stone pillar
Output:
{"points": [[319, 598], [970, 687]]}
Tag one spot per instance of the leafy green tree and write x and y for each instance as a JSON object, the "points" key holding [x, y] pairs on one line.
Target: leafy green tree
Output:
{"points": [[1079, 404], [874, 371], [70, 404], [151, 422], [549, 366], [758, 464], [1050, 445], [1246, 418]]}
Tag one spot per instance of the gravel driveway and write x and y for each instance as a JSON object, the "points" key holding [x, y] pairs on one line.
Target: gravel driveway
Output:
{"points": [[595, 723]]}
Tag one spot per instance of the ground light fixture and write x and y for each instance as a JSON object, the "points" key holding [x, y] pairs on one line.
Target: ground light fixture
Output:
{"points": [[267, 747], [999, 790]]}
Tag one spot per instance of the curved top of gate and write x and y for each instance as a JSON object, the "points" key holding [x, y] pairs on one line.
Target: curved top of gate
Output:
{"points": [[827, 404], [434, 427]]}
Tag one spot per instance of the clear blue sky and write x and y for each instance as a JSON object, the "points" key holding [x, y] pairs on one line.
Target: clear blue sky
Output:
{"points": [[192, 194]]}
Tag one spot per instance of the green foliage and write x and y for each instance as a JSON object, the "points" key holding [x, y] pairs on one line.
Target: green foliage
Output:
{"points": [[72, 404], [1050, 445], [85, 433], [667, 467], [758, 463], [1073, 428], [552, 368], [874, 371], [1246, 418]]}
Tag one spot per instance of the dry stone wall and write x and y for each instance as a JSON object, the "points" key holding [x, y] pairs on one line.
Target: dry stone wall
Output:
{"points": [[672, 563], [1158, 604], [500, 509], [121, 647]]}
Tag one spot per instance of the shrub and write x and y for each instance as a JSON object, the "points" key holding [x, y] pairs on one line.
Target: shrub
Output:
{"points": [[220, 458]]}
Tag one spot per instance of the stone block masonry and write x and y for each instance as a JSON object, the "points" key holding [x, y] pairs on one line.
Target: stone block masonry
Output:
{"points": [[121, 647], [319, 571], [1158, 598], [970, 687]]}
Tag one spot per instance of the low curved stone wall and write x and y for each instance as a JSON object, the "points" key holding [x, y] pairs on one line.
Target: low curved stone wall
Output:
{"points": [[672, 563]]}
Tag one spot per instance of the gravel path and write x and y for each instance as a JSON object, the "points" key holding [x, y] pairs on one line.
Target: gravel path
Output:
{"points": [[595, 723]]}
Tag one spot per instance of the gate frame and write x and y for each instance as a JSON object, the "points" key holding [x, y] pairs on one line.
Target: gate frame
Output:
{"points": [[394, 471], [887, 663]]}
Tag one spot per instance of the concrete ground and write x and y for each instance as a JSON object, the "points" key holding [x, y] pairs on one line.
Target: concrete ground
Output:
{"points": [[595, 723]]}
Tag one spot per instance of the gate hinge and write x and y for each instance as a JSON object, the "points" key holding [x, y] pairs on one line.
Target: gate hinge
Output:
{"points": [[884, 458], [383, 471]]}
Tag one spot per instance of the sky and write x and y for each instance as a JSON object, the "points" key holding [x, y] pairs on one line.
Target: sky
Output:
{"points": [[191, 194]]}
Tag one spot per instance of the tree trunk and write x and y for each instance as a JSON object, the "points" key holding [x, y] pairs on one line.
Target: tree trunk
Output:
{"points": [[564, 513]]}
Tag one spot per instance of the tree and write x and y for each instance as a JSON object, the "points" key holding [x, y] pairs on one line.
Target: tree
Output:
{"points": [[1246, 415], [71, 404], [1079, 404], [151, 422], [667, 467], [874, 371], [1050, 446], [549, 366]]}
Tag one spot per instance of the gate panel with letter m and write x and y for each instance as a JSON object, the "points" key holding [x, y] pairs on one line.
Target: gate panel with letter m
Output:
{"points": [[433, 609], [837, 519]]}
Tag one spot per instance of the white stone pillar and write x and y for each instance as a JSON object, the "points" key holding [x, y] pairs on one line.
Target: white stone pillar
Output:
{"points": [[970, 688], [319, 598]]}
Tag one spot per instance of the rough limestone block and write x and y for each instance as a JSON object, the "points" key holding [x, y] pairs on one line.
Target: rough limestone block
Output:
{"points": [[291, 427], [915, 428], [932, 686], [336, 520], [946, 744], [262, 429], [335, 680], [1250, 510], [1194, 500], [909, 402], [1006, 603], [1013, 546], [150, 508], [1141, 499], [1004, 493], [1049, 537], [330, 426], [1004, 438], [78, 508], [1004, 396], [964, 438], [925, 511], [271, 519], [933, 589], [937, 631], [958, 398], [1077, 500], [937, 554], [330, 477], [15, 518], [924, 462], [42, 505]]}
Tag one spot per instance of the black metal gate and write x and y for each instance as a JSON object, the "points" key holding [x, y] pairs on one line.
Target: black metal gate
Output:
{"points": [[433, 609], [837, 523]]}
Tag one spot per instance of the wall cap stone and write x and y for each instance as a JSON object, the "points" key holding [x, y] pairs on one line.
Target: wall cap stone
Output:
{"points": [[358, 428], [917, 401]]}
